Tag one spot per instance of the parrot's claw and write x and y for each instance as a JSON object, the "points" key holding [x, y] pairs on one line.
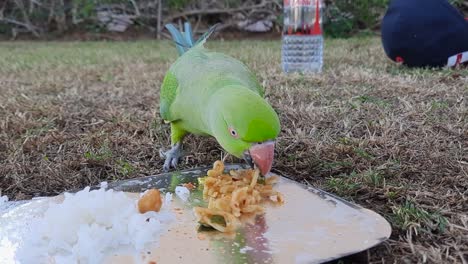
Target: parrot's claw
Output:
{"points": [[172, 157]]}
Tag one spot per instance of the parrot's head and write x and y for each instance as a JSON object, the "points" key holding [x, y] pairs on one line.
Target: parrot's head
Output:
{"points": [[245, 125]]}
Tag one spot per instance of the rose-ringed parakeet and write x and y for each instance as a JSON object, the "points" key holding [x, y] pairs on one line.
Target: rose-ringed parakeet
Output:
{"points": [[212, 94]]}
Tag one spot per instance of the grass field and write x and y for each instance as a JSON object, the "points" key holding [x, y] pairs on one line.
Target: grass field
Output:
{"points": [[391, 139]]}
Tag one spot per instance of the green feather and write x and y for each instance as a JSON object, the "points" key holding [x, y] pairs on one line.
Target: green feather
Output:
{"points": [[206, 35], [167, 95], [208, 93]]}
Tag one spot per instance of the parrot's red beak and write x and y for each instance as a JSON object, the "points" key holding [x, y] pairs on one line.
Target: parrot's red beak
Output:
{"points": [[262, 155]]}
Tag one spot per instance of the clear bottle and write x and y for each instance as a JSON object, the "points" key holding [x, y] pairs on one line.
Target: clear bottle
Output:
{"points": [[302, 47]]}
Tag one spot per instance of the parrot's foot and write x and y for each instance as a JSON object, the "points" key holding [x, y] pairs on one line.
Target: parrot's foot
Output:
{"points": [[172, 156]]}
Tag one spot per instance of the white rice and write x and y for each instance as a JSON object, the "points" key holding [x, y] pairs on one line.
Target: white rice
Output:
{"points": [[182, 192], [245, 249], [103, 185], [3, 199], [88, 225]]}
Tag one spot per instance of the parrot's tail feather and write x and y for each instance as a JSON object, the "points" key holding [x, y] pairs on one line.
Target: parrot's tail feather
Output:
{"points": [[207, 34], [181, 43], [184, 40], [188, 33]]}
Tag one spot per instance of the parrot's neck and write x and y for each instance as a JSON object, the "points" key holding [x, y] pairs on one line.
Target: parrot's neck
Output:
{"points": [[230, 102], [217, 105], [224, 107]]}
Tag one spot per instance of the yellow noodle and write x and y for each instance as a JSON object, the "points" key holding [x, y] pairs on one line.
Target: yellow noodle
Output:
{"points": [[235, 195]]}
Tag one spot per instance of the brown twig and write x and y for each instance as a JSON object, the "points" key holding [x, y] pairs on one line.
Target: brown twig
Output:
{"points": [[159, 19], [215, 11], [27, 22]]}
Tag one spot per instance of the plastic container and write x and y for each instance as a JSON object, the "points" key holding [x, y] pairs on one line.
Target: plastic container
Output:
{"points": [[302, 40]]}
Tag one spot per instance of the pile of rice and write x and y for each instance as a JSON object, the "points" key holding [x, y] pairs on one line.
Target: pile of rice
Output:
{"points": [[88, 225], [3, 199]]}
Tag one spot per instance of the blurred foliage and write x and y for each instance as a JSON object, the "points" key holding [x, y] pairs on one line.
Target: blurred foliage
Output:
{"points": [[342, 18], [177, 4], [85, 8], [345, 18], [53, 17], [337, 24]]}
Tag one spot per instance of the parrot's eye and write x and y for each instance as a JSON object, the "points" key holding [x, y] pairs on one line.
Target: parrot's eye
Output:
{"points": [[233, 132]]}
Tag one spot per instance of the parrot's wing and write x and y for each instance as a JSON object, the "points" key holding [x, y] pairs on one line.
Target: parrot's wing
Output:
{"points": [[167, 96]]}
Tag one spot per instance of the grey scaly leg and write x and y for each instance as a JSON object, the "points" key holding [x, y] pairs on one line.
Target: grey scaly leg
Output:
{"points": [[172, 156]]}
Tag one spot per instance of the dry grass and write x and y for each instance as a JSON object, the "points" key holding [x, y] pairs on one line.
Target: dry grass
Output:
{"points": [[391, 139]]}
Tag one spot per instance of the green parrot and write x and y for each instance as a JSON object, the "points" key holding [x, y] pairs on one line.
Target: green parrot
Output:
{"points": [[211, 94]]}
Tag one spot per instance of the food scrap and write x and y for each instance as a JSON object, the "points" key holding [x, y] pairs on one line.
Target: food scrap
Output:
{"points": [[3, 199], [230, 196], [183, 193], [150, 201], [189, 186]]}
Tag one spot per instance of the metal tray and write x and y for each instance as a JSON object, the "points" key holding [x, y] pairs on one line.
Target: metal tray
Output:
{"points": [[311, 227]]}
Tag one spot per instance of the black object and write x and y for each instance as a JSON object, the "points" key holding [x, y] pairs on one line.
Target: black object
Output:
{"points": [[425, 33]]}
